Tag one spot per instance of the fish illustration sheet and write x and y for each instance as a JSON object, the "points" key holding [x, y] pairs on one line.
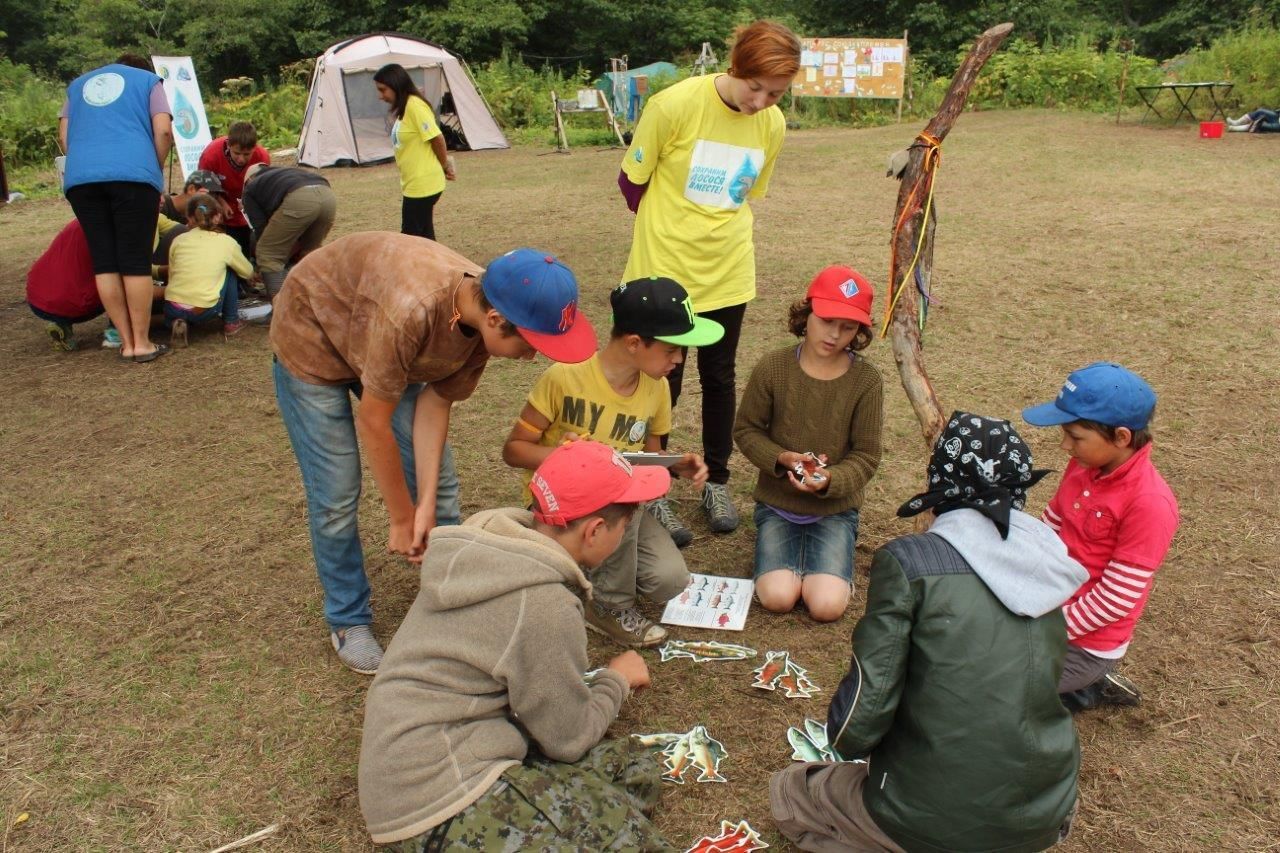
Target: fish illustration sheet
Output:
{"points": [[710, 601]]}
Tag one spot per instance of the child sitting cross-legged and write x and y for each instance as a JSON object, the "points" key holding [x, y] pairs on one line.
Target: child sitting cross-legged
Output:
{"points": [[619, 396], [480, 730], [815, 404], [206, 267]]}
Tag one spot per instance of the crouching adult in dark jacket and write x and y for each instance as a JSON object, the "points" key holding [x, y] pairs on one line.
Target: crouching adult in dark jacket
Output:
{"points": [[291, 212], [952, 696]]}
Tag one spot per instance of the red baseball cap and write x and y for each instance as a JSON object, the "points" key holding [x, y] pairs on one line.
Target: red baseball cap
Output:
{"points": [[841, 293], [581, 477]]}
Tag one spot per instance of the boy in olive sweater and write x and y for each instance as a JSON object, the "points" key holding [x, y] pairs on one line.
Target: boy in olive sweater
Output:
{"points": [[489, 661]]}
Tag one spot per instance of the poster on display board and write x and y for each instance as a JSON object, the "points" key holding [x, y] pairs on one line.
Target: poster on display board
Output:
{"points": [[190, 126], [851, 68]]}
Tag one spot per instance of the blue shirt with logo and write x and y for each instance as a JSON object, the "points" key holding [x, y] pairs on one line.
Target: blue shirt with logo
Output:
{"points": [[109, 136]]}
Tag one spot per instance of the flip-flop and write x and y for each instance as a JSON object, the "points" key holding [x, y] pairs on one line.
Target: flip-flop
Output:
{"points": [[160, 350]]}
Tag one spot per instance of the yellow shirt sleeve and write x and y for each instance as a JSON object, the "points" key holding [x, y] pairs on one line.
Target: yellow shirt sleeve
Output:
{"points": [[652, 132], [421, 174]]}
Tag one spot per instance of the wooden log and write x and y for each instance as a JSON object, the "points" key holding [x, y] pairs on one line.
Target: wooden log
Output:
{"points": [[905, 330]]}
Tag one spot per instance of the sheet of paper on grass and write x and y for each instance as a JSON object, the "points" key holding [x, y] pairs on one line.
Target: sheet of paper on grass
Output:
{"points": [[709, 601]]}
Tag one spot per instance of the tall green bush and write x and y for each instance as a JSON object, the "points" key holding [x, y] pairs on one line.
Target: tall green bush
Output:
{"points": [[29, 108], [1075, 76], [1249, 58], [276, 112]]}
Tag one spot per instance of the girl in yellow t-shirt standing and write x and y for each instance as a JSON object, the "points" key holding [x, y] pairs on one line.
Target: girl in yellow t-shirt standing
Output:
{"points": [[419, 148], [702, 149]]}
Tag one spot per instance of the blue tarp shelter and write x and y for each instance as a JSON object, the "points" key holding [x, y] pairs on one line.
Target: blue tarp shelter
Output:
{"points": [[623, 98]]}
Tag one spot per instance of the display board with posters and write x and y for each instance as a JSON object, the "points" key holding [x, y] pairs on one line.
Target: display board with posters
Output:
{"points": [[851, 68], [190, 126]]}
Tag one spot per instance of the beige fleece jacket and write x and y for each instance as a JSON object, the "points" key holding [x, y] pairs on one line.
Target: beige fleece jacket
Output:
{"points": [[495, 636]]}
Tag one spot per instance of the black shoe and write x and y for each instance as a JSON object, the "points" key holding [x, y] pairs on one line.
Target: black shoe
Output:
{"points": [[1111, 689]]}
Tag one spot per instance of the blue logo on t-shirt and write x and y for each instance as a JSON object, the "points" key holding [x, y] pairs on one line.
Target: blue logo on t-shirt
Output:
{"points": [[743, 181], [103, 89], [639, 155]]}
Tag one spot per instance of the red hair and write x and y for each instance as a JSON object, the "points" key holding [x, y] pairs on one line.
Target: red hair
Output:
{"points": [[764, 49]]}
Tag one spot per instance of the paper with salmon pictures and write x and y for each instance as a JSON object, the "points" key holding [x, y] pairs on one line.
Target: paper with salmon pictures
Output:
{"points": [[190, 125], [709, 601]]}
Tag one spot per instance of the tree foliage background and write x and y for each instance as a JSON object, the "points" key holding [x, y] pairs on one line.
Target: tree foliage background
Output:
{"points": [[231, 38]]}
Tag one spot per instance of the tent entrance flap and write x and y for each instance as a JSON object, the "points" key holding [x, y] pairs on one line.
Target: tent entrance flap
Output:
{"points": [[370, 120]]}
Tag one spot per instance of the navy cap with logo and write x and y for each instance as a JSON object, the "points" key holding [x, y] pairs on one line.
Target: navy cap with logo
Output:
{"points": [[660, 308], [206, 180], [1103, 392], [539, 295]]}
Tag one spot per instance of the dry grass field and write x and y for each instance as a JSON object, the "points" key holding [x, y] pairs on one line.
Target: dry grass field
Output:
{"points": [[167, 679]]}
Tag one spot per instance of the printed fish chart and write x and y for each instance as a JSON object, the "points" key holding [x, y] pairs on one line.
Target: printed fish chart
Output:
{"points": [[694, 748], [709, 601], [733, 838], [703, 652]]}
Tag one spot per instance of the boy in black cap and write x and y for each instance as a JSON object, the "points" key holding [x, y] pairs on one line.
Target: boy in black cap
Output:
{"points": [[619, 396]]}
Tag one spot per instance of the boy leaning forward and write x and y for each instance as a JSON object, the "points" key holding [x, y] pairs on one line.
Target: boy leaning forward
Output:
{"points": [[481, 731], [406, 326], [620, 397]]}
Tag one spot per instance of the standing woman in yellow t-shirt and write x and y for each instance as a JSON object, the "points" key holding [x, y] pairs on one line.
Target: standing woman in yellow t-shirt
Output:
{"points": [[419, 148], [701, 150]]}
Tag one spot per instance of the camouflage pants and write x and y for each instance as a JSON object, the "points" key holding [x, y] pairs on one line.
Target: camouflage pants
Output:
{"points": [[600, 802]]}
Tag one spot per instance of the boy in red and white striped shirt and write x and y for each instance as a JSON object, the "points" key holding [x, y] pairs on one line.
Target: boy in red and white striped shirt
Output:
{"points": [[1116, 515]]}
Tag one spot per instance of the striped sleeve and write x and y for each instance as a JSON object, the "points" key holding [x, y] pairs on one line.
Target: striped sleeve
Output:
{"points": [[1117, 593], [1051, 518]]}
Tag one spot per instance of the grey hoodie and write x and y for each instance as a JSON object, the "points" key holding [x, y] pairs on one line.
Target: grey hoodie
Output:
{"points": [[1029, 572], [495, 633]]}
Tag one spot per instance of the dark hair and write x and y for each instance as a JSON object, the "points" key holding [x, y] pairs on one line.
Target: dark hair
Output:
{"points": [[202, 207], [242, 134], [1138, 438], [395, 78], [615, 333], [612, 514], [134, 61], [507, 328], [798, 319]]}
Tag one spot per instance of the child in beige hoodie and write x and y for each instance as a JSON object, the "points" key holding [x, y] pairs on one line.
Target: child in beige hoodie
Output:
{"points": [[480, 729]]}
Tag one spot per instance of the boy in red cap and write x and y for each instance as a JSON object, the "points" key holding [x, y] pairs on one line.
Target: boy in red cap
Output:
{"points": [[620, 396], [490, 661], [405, 325], [810, 420]]}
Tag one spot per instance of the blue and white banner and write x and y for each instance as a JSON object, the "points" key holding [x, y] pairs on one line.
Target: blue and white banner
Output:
{"points": [[190, 126]]}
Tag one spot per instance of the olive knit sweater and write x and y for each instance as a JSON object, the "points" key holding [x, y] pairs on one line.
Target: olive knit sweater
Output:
{"points": [[785, 408]]}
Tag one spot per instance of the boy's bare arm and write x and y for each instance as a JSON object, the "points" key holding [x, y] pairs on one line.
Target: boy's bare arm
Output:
{"points": [[522, 449]]}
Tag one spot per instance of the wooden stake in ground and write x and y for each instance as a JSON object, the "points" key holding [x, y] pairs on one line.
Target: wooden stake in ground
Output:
{"points": [[914, 213]]}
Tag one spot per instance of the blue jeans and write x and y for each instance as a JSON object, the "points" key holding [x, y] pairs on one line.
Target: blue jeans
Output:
{"points": [[227, 306], [824, 547], [322, 430]]}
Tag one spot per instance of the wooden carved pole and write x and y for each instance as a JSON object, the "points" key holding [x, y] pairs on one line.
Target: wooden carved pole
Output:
{"points": [[905, 325]]}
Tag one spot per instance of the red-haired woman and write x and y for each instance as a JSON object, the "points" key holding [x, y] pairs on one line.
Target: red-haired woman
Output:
{"points": [[702, 149]]}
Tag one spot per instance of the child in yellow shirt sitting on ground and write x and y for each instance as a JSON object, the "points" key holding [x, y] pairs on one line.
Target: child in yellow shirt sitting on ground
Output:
{"points": [[206, 267]]}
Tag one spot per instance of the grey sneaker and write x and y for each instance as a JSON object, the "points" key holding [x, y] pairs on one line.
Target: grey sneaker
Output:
{"points": [[627, 627], [661, 510], [178, 333], [61, 337], [357, 648], [722, 515]]}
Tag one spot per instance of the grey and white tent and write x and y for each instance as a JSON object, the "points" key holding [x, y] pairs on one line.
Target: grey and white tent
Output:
{"points": [[346, 124]]}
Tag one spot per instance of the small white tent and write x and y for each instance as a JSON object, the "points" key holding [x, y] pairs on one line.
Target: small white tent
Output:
{"points": [[345, 123]]}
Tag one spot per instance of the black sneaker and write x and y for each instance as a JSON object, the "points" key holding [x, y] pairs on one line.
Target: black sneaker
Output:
{"points": [[1111, 689]]}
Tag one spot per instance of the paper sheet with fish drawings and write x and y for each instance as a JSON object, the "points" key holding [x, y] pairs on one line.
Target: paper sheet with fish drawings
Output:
{"points": [[709, 601]]}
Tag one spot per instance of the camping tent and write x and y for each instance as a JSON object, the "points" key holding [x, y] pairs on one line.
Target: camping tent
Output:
{"points": [[345, 123], [617, 86]]}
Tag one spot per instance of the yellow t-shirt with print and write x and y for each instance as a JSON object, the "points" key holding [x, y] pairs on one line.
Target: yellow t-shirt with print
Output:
{"points": [[702, 161], [578, 398], [421, 174]]}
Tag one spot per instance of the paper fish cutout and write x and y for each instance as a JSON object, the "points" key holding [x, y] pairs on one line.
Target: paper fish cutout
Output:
{"points": [[733, 838], [810, 743], [695, 748], [768, 673], [704, 651]]}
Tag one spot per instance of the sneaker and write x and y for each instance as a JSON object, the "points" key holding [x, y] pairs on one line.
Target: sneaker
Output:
{"points": [[357, 648], [1111, 689], [61, 336], [661, 510], [722, 515], [178, 333], [111, 338], [230, 330], [627, 627]]}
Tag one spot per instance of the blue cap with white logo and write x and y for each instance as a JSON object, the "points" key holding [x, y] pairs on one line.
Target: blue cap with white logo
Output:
{"points": [[539, 295], [1103, 392]]}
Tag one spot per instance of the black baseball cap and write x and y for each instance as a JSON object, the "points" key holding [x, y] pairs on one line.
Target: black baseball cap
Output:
{"points": [[206, 180], [660, 308]]}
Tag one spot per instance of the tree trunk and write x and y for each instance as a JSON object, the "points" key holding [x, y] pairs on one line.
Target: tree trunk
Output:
{"points": [[905, 329]]}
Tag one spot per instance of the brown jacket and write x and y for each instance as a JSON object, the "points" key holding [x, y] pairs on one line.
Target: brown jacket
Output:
{"points": [[495, 636]]}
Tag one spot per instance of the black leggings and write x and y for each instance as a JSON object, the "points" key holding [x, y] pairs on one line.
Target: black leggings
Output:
{"points": [[718, 378], [415, 216], [119, 223]]}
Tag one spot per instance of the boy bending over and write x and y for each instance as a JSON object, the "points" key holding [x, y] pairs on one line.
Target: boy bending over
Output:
{"points": [[489, 662]]}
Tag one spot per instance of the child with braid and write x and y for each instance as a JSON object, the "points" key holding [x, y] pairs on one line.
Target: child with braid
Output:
{"points": [[205, 270]]}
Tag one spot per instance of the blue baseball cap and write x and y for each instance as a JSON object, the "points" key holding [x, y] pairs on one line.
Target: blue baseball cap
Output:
{"points": [[539, 295], [1103, 392]]}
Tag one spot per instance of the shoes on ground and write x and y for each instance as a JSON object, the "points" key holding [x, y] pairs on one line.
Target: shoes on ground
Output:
{"points": [[1112, 689], [230, 330], [178, 333], [61, 336], [357, 648], [661, 510], [111, 338], [627, 627], [722, 515]]}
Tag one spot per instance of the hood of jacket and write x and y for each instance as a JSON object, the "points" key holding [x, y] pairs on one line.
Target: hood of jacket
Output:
{"points": [[1030, 572], [472, 562]]}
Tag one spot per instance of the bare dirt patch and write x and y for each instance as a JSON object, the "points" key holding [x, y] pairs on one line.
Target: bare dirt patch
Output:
{"points": [[168, 679]]}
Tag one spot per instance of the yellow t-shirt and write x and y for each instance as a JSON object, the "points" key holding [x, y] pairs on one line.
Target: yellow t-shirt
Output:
{"points": [[578, 398], [421, 174], [198, 263], [702, 161]]}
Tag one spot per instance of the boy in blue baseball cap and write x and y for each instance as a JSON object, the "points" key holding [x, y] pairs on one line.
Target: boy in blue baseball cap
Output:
{"points": [[405, 325], [1117, 517]]}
